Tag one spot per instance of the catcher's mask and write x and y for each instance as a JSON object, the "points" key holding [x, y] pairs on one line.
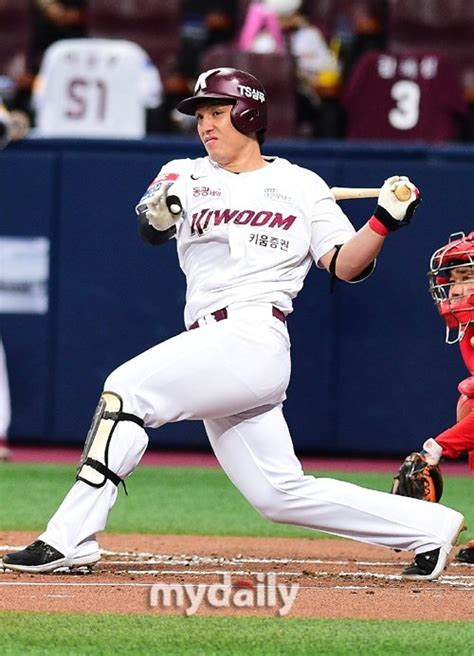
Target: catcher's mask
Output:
{"points": [[243, 90], [451, 280]]}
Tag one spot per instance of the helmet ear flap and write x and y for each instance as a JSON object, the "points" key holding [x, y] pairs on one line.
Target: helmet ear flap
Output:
{"points": [[249, 116]]}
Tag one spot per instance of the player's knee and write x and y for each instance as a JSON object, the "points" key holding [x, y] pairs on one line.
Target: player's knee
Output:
{"points": [[120, 384], [464, 407], [273, 506]]}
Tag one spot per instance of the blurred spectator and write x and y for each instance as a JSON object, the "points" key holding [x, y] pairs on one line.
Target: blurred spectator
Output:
{"points": [[317, 68], [14, 125], [411, 96], [95, 88], [205, 23], [51, 20], [5, 410], [368, 27], [5, 125]]}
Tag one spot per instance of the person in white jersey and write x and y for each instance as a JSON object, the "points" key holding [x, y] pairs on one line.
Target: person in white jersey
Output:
{"points": [[5, 407], [247, 230], [95, 88]]}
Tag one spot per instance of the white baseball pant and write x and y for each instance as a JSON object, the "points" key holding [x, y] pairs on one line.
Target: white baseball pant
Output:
{"points": [[233, 375], [5, 408]]}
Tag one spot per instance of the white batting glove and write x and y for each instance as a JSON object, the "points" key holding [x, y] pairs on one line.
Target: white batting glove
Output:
{"points": [[392, 212], [161, 210]]}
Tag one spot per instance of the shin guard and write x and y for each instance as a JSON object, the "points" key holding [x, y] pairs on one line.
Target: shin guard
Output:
{"points": [[94, 464]]}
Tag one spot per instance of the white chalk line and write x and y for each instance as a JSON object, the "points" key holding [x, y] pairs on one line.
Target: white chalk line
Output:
{"points": [[165, 560], [453, 581]]}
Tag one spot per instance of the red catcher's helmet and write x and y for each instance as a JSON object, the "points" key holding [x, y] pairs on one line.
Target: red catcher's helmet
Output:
{"points": [[249, 113], [455, 300]]}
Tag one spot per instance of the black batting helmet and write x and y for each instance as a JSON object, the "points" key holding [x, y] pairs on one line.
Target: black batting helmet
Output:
{"points": [[249, 113]]}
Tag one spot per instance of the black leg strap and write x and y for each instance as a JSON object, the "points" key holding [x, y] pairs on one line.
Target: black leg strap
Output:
{"points": [[105, 471], [123, 416]]}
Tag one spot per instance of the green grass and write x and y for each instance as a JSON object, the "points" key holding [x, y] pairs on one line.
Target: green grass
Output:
{"points": [[201, 501], [79, 634], [175, 500]]}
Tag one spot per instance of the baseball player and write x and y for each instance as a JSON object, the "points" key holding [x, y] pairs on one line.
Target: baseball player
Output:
{"points": [[5, 407], [451, 278], [247, 230]]}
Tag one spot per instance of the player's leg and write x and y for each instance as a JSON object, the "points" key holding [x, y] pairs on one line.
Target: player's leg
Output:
{"points": [[206, 372], [256, 451], [5, 408]]}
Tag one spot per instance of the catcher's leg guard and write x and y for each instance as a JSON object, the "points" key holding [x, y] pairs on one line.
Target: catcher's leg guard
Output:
{"points": [[93, 468]]}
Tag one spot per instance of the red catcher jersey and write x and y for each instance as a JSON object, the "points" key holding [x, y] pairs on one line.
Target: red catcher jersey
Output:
{"points": [[404, 97], [95, 88]]}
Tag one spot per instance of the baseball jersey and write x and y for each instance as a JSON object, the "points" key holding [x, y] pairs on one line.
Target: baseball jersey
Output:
{"points": [[95, 88], [404, 97], [249, 237]]}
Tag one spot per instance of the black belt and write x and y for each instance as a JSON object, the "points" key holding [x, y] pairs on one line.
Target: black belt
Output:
{"points": [[220, 315]]}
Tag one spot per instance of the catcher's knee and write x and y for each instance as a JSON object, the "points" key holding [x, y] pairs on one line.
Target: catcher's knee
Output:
{"points": [[94, 466], [466, 400]]}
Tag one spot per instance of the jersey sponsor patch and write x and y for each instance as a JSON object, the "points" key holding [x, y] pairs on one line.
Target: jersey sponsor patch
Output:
{"points": [[206, 191], [166, 177], [155, 185]]}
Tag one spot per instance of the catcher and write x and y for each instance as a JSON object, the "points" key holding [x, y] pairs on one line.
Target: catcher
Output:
{"points": [[451, 277]]}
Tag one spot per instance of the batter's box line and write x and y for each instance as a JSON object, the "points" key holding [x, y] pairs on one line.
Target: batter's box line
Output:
{"points": [[444, 580], [203, 572], [208, 560]]}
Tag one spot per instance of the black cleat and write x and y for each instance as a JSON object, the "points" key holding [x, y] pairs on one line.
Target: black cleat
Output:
{"points": [[465, 555], [40, 557], [426, 566], [430, 565]]}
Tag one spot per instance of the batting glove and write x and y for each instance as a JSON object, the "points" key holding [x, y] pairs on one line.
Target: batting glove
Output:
{"points": [[162, 211], [392, 212]]}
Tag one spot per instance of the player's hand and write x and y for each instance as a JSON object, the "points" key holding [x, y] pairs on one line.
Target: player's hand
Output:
{"points": [[392, 212], [163, 211], [432, 451]]}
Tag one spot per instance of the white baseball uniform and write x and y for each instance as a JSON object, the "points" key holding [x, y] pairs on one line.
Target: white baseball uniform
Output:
{"points": [[5, 407], [245, 243], [95, 88]]}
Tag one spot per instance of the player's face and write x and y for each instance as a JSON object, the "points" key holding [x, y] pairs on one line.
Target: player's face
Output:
{"points": [[461, 282], [221, 140]]}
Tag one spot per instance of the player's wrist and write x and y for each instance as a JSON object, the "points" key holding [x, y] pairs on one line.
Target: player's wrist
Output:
{"points": [[386, 219], [378, 226]]}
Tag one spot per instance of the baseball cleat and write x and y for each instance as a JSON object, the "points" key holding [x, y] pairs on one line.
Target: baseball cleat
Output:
{"points": [[430, 565], [465, 555], [426, 566], [41, 558]]}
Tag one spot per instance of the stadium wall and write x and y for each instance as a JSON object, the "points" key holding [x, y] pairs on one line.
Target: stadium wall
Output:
{"points": [[371, 372]]}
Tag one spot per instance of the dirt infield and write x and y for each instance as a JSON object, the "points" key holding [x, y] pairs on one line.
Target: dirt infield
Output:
{"points": [[336, 578]]}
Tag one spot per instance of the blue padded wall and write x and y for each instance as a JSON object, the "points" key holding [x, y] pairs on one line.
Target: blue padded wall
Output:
{"points": [[371, 372]]}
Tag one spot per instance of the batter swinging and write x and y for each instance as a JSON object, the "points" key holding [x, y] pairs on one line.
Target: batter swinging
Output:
{"points": [[247, 229]]}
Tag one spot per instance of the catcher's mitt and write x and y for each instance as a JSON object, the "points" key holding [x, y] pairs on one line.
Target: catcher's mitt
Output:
{"points": [[417, 479]]}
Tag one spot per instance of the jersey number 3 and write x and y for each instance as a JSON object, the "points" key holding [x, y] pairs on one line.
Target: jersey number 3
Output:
{"points": [[407, 112]]}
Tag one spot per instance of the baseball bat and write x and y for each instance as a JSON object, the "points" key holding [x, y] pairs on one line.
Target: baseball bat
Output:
{"points": [[402, 192]]}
